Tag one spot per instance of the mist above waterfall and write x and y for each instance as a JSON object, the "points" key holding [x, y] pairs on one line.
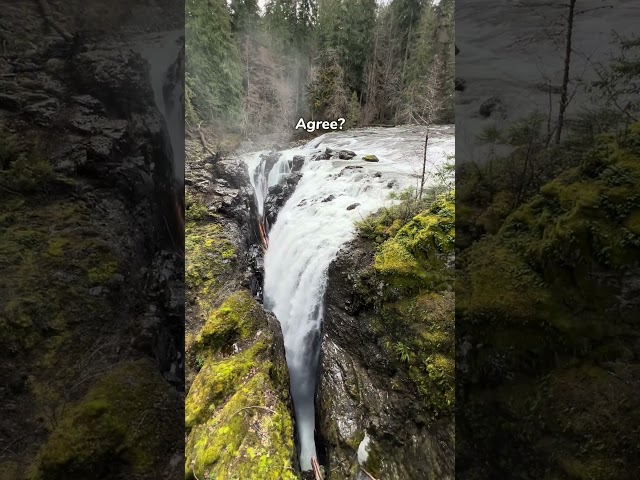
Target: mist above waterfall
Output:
{"points": [[316, 221]]}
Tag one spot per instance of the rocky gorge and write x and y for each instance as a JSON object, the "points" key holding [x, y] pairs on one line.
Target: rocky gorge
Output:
{"points": [[383, 391], [91, 291]]}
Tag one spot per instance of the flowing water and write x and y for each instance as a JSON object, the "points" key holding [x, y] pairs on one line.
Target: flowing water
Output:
{"points": [[310, 229]]}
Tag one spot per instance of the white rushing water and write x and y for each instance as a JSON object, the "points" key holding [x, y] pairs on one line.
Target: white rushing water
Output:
{"points": [[309, 232]]}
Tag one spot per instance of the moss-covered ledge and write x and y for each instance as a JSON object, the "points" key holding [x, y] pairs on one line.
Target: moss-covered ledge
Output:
{"points": [[237, 413]]}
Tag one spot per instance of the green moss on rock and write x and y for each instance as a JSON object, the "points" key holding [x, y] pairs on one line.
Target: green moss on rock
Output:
{"points": [[233, 321], [414, 315], [544, 294], [238, 408], [208, 261], [50, 257], [115, 424], [415, 257]]}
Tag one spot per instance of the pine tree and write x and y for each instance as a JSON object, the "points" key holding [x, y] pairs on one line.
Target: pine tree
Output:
{"points": [[360, 23], [212, 63], [429, 78], [353, 112], [244, 15]]}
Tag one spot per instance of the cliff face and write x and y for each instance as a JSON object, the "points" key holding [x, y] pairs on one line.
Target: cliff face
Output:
{"points": [[385, 393], [90, 290], [238, 408]]}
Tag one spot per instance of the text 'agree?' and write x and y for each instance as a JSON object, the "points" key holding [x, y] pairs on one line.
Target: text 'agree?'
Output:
{"points": [[312, 126]]}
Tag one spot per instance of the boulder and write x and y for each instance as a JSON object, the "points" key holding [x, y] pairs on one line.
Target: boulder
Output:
{"points": [[489, 106], [297, 163], [270, 160]]}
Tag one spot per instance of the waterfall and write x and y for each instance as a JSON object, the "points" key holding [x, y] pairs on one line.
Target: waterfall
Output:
{"points": [[315, 222]]}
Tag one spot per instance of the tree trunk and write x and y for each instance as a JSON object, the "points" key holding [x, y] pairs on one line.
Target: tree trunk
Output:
{"points": [[424, 165], [567, 66]]}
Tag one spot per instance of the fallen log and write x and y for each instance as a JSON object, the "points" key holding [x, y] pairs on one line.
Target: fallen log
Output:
{"points": [[317, 474]]}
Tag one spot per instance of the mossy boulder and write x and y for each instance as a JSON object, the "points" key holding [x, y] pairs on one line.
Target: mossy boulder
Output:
{"points": [[415, 257], [238, 411], [234, 320], [370, 158], [116, 429]]}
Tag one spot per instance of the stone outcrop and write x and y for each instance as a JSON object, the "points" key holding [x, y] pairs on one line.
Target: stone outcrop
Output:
{"points": [[279, 194], [92, 275], [333, 154], [238, 409], [378, 409]]}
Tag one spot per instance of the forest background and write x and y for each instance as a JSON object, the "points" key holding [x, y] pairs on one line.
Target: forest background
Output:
{"points": [[256, 69]]}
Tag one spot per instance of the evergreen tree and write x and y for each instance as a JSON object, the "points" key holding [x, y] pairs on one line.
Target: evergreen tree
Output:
{"points": [[244, 15], [281, 21], [326, 92], [360, 23], [429, 78], [353, 111], [212, 63], [347, 27]]}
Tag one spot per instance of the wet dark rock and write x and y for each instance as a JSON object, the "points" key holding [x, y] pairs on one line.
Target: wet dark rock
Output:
{"points": [[377, 174], [392, 184], [275, 190], [43, 111], [489, 106], [293, 179], [331, 154], [346, 154], [114, 76], [352, 206], [270, 159], [89, 103], [329, 198], [279, 194], [460, 84], [297, 163], [10, 102], [355, 395]]}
